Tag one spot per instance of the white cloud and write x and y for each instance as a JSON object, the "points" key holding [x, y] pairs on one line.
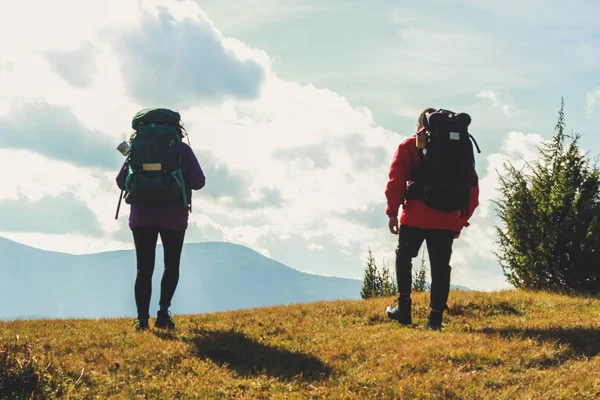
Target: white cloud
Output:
{"points": [[311, 157], [177, 57], [53, 25], [474, 262], [76, 67], [494, 98], [315, 247], [55, 132], [39, 177], [70, 243], [285, 117], [517, 149], [521, 145], [591, 99], [243, 136]]}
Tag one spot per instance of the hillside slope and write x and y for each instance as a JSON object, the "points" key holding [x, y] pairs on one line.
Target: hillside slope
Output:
{"points": [[215, 276], [507, 344]]}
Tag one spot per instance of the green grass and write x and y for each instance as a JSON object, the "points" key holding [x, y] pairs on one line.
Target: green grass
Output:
{"points": [[509, 344]]}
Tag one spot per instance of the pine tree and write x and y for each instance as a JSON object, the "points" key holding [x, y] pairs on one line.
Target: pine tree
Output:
{"points": [[378, 283], [550, 210], [419, 283], [390, 288], [371, 281]]}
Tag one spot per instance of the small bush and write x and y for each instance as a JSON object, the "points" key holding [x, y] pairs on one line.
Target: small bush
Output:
{"points": [[18, 376]]}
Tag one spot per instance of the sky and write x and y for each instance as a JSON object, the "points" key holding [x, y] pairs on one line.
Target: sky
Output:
{"points": [[294, 108]]}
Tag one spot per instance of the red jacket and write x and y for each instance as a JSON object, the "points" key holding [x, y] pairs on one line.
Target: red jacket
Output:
{"points": [[415, 213]]}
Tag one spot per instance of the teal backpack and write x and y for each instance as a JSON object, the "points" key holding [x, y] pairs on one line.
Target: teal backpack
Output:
{"points": [[155, 176]]}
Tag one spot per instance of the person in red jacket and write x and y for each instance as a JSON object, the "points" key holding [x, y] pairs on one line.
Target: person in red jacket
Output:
{"points": [[419, 223]]}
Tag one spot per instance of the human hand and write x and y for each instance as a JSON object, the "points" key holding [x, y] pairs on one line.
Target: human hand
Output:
{"points": [[393, 225]]}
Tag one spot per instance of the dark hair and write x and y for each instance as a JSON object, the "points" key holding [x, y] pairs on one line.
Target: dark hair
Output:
{"points": [[422, 114], [184, 133]]}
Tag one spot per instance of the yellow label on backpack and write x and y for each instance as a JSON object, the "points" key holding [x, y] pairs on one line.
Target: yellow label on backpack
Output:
{"points": [[152, 167]]}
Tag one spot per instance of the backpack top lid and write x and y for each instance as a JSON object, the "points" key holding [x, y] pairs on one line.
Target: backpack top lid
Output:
{"points": [[157, 115], [446, 120]]}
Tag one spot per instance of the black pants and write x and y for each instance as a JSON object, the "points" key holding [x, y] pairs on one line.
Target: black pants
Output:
{"points": [[439, 246], [145, 249]]}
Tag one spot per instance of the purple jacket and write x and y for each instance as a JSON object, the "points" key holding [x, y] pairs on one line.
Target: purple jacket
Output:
{"points": [[171, 216]]}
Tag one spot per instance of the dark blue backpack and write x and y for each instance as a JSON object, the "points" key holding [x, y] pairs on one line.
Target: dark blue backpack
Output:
{"points": [[155, 176]]}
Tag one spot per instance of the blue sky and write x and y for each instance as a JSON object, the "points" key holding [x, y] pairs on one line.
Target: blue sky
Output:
{"points": [[294, 109]]}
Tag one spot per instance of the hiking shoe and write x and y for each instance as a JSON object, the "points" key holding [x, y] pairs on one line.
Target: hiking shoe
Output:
{"points": [[434, 321], [142, 325], [401, 312], [163, 320]]}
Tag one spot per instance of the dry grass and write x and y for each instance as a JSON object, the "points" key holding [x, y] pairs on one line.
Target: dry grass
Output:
{"points": [[501, 345]]}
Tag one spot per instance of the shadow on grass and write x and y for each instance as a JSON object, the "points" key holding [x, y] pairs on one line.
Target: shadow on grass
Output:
{"points": [[249, 357], [488, 310], [18, 376], [582, 341], [165, 334]]}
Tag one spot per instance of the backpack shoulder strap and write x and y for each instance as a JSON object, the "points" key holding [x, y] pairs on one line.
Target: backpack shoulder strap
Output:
{"points": [[419, 171], [475, 142]]}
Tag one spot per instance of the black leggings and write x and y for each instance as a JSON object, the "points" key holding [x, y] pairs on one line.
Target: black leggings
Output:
{"points": [[145, 248], [439, 246]]}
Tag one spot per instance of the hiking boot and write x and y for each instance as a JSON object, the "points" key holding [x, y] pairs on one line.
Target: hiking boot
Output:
{"points": [[434, 321], [163, 320], [142, 325], [401, 312]]}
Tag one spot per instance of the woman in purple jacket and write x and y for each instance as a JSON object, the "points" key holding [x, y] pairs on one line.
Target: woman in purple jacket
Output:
{"points": [[170, 221]]}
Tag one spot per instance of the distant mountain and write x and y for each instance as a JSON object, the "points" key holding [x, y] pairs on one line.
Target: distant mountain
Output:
{"points": [[214, 277], [452, 287]]}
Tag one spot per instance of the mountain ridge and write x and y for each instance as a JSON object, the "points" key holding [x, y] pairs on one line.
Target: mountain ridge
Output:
{"points": [[215, 276]]}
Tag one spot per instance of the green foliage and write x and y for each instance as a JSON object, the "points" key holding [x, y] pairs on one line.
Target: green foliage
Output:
{"points": [[419, 282], [27, 375], [375, 283], [18, 375], [371, 281], [550, 238], [389, 286], [510, 344]]}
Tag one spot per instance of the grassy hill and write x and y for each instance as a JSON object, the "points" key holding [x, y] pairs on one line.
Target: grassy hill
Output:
{"points": [[508, 344]]}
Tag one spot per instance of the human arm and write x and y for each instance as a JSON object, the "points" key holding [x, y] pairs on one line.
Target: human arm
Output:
{"points": [[393, 225], [396, 186], [473, 201], [473, 204], [121, 177], [192, 172]]}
